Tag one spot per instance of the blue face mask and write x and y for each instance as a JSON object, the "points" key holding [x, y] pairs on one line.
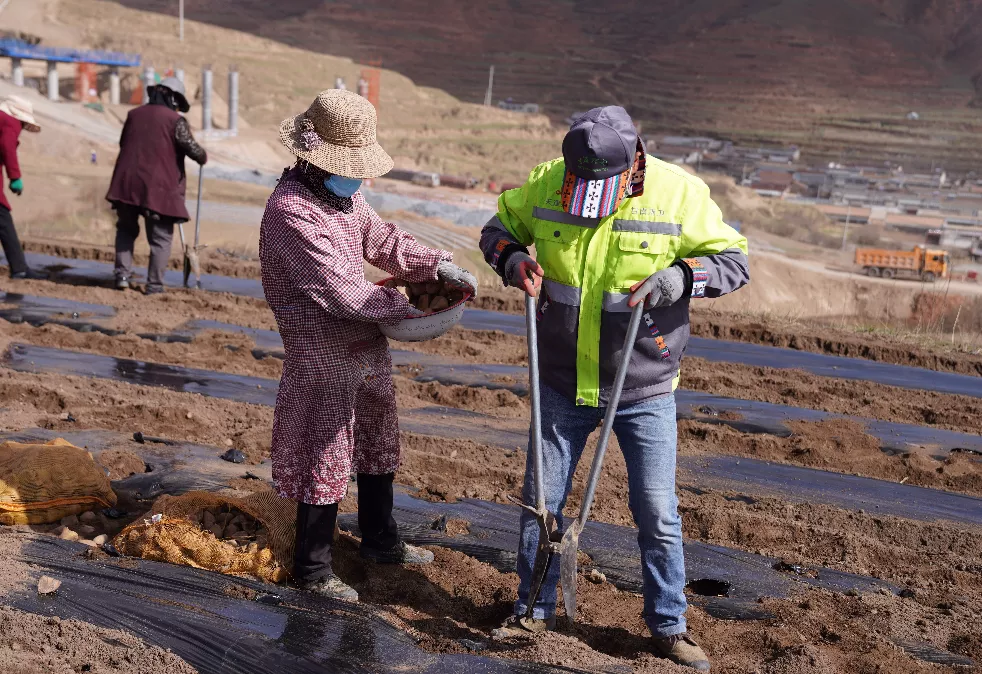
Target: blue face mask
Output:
{"points": [[341, 186]]}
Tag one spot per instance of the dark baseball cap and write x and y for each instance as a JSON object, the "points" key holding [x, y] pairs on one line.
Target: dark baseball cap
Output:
{"points": [[601, 143], [599, 151]]}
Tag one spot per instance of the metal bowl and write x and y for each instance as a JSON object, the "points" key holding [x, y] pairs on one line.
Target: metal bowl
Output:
{"points": [[423, 328]]}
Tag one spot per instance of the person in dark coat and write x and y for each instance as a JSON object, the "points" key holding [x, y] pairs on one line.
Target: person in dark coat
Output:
{"points": [[16, 115], [149, 180]]}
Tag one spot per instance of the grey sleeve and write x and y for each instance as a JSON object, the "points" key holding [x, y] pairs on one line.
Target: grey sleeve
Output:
{"points": [[728, 271], [497, 243], [185, 140]]}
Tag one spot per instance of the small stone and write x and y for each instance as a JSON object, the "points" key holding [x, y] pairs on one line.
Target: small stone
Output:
{"points": [[88, 542], [85, 530], [852, 592], [230, 531], [190, 416], [217, 530], [70, 521], [596, 576], [47, 585], [100, 539], [88, 517], [453, 454], [234, 456], [207, 520], [471, 645], [228, 442], [67, 534]]}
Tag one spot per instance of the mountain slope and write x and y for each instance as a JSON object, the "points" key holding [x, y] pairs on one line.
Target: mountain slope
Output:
{"points": [[821, 73]]}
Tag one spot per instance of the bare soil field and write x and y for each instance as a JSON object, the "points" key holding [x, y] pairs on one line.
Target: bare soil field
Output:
{"points": [[459, 597]]}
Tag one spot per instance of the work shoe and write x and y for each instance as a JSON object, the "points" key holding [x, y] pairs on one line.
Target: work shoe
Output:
{"points": [[399, 554], [682, 650], [332, 587], [153, 290], [122, 283], [518, 626], [29, 275]]}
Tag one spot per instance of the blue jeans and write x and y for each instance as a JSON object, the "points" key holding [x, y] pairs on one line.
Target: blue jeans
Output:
{"points": [[647, 434]]}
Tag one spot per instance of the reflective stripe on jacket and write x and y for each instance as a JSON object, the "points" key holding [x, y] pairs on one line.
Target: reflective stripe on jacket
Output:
{"points": [[590, 266]]}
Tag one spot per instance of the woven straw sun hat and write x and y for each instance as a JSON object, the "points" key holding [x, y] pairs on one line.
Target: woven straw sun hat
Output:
{"points": [[22, 110], [337, 134]]}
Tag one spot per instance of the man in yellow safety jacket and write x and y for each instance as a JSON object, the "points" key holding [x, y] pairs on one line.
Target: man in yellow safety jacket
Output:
{"points": [[613, 226]]}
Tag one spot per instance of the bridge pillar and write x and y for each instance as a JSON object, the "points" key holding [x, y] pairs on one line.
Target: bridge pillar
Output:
{"points": [[52, 81], [17, 72], [233, 100], [114, 86], [206, 88]]}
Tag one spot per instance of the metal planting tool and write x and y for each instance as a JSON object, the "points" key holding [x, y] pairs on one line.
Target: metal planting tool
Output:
{"points": [[571, 538], [549, 537], [191, 262]]}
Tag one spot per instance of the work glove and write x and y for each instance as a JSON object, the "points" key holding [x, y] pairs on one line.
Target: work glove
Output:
{"points": [[17, 186], [661, 289], [521, 271], [457, 277]]}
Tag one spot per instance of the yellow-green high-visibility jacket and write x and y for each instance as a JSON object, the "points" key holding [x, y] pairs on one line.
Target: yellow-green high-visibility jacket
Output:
{"points": [[590, 265]]}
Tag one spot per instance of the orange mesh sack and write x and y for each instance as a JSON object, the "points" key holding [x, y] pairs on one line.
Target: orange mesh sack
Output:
{"points": [[40, 484], [251, 536]]}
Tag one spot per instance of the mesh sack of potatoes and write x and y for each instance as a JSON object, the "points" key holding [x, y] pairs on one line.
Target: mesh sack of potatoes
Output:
{"points": [[427, 297], [40, 484], [250, 536]]}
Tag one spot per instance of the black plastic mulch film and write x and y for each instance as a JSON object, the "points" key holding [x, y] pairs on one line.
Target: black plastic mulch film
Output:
{"points": [[189, 611], [753, 417]]}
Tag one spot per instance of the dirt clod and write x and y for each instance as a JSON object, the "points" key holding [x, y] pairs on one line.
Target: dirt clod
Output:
{"points": [[48, 585], [121, 463]]}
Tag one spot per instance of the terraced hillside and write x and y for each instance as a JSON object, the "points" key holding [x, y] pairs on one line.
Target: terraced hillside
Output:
{"points": [[837, 77]]}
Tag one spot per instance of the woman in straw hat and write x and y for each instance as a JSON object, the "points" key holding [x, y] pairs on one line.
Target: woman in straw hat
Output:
{"points": [[336, 409], [16, 115]]}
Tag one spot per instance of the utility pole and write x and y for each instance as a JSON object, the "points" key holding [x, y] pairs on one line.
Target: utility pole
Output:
{"points": [[180, 12], [845, 230], [487, 96]]}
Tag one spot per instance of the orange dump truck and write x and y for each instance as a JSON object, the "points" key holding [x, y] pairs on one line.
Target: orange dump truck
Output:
{"points": [[922, 263]]}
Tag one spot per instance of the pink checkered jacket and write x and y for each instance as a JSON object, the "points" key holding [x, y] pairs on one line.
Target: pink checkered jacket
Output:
{"points": [[313, 277]]}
